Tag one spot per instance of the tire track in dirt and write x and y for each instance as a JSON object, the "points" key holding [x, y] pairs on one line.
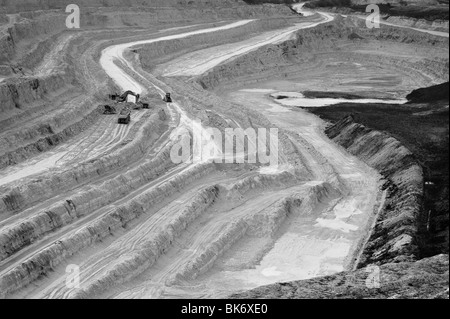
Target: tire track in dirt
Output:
{"points": [[197, 63]]}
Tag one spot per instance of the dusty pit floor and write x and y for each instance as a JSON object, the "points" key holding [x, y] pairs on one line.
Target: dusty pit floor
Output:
{"points": [[317, 243]]}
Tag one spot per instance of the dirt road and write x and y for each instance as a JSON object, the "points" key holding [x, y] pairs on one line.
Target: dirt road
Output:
{"points": [[194, 64]]}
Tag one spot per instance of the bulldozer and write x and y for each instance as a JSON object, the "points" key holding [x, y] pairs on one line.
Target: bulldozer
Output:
{"points": [[167, 98], [107, 109], [124, 116], [141, 105]]}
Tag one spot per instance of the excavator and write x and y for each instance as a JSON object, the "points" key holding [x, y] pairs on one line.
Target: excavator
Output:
{"points": [[130, 100], [107, 109], [128, 96]]}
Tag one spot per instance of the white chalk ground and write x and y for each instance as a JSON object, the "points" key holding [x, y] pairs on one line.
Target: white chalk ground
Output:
{"points": [[295, 257], [311, 245], [109, 56], [274, 169], [342, 212], [114, 53], [97, 141], [298, 99], [17, 173], [198, 62], [276, 108]]}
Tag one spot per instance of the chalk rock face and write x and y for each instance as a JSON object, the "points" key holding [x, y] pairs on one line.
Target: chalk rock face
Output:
{"points": [[395, 235], [315, 40]]}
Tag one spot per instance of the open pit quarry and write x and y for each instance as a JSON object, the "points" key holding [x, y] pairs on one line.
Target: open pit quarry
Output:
{"points": [[79, 189]]}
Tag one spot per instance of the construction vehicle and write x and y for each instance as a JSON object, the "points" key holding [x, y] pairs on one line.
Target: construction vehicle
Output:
{"points": [[107, 109], [167, 98], [124, 116], [141, 105], [113, 97], [128, 96], [128, 101]]}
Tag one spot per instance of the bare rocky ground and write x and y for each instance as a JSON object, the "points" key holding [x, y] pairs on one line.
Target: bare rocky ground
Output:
{"points": [[76, 188], [424, 279]]}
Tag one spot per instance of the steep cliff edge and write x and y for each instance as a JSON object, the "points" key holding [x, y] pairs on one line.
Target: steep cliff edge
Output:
{"points": [[422, 127], [394, 237], [434, 93], [348, 40]]}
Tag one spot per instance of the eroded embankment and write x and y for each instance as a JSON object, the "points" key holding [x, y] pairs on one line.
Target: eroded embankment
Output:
{"points": [[113, 219], [436, 25], [156, 53], [40, 24], [17, 197], [424, 279], [19, 144], [20, 93], [37, 113], [160, 234], [28, 27], [395, 235], [25, 231], [327, 38], [152, 248]]}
